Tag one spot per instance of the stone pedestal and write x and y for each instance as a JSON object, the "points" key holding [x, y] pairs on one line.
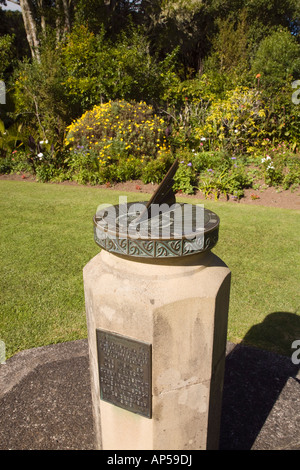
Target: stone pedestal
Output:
{"points": [[179, 307]]}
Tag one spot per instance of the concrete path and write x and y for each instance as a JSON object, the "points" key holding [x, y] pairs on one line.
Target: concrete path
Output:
{"points": [[45, 401]]}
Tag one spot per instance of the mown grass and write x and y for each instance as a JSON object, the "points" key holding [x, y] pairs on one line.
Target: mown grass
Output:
{"points": [[47, 238]]}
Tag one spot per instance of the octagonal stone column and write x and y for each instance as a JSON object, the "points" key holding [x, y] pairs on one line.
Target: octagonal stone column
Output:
{"points": [[178, 307]]}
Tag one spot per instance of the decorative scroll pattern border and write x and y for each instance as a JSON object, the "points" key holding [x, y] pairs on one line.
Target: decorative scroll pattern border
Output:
{"points": [[156, 248]]}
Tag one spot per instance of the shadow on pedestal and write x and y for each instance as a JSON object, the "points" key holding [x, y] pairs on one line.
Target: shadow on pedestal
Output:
{"points": [[254, 379]]}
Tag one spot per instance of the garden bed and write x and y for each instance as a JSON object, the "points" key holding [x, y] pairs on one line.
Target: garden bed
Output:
{"points": [[266, 196]]}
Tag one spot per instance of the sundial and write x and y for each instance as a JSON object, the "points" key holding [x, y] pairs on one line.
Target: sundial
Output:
{"points": [[159, 228]]}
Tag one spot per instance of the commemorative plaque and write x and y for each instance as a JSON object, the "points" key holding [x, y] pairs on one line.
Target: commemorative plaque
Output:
{"points": [[125, 372]]}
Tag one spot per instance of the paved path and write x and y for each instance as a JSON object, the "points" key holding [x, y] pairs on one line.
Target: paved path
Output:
{"points": [[45, 400]]}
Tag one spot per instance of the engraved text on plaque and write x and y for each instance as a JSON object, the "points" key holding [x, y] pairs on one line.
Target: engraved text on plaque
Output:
{"points": [[125, 372]]}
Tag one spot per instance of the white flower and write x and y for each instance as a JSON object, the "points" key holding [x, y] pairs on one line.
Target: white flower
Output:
{"points": [[270, 167], [203, 139], [41, 141], [40, 155], [46, 141], [263, 160], [235, 131]]}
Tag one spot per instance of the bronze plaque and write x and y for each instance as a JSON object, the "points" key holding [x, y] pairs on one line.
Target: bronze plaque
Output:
{"points": [[125, 372]]}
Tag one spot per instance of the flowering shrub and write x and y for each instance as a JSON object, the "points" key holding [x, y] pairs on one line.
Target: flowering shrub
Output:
{"points": [[236, 122], [119, 129], [119, 141], [280, 166]]}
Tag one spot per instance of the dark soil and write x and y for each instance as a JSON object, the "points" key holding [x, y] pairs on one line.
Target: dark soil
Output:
{"points": [[266, 196]]}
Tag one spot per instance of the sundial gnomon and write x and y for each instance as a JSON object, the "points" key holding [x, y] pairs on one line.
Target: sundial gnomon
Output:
{"points": [[158, 228]]}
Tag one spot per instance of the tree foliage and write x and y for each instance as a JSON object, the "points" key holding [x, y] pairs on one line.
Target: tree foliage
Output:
{"points": [[204, 65], [277, 59]]}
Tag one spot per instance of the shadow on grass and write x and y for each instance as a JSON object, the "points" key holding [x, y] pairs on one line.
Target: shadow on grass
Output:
{"points": [[254, 378]]}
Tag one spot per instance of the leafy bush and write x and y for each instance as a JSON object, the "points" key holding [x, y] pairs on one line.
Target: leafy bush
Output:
{"points": [[226, 182], [279, 165], [10, 138], [118, 141], [291, 178], [129, 169], [154, 170], [277, 60], [40, 97], [7, 54], [98, 69], [16, 161], [185, 178], [272, 171], [210, 159], [5, 166], [83, 166], [236, 122]]}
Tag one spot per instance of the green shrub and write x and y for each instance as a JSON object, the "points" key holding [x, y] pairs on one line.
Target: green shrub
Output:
{"points": [[236, 122], [5, 165], [83, 166], [45, 173], [129, 169], [39, 93], [277, 59], [185, 178], [155, 170], [226, 182], [16, 162], [292, 177], [213, 159], [98, 69], [7, 54]]}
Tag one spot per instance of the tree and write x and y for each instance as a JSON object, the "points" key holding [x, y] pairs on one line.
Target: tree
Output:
{"points": [[39, 92], [113, 15], [11, 23], [277, 60], [39, 15], [230, 45], [194, 24], [186, 24], [6, 54]]}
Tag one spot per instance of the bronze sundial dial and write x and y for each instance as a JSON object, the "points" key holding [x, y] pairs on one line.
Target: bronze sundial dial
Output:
{"points": [[159, 228]]}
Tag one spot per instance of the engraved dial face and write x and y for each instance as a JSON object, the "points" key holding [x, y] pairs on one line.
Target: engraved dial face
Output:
{"points": [[159, 228], [170, 231], [175, 222]]}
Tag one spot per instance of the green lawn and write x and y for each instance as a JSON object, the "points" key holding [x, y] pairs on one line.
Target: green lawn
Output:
{"points": [[47, 237]]}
